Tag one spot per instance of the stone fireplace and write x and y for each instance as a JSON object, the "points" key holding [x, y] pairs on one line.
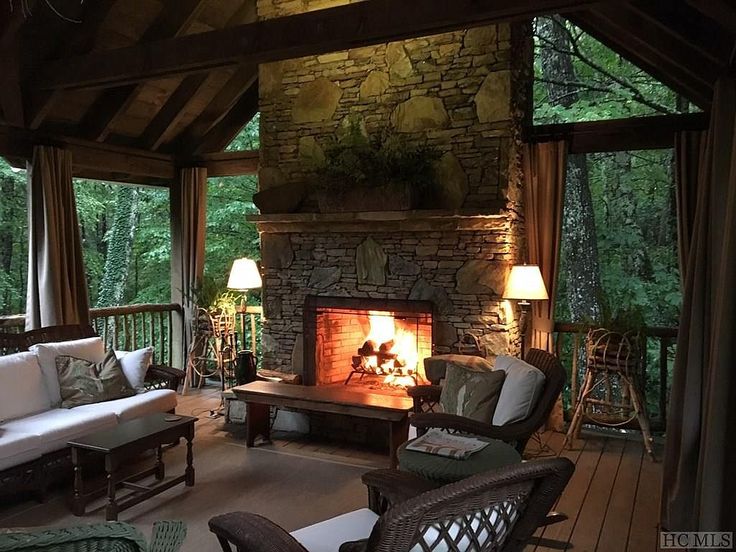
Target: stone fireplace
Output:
{"points": [[349, 340], [462, 93]]}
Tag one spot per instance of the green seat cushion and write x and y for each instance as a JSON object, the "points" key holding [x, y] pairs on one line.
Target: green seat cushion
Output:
{"points": [[446, 470]]}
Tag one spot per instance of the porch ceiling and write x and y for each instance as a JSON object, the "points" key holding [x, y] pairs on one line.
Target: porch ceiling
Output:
{"points": [[179, 77]]}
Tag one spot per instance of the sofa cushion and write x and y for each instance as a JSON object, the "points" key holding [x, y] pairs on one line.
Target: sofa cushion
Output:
{"points": [[135, 365], [22, 387], [328, 535], [520, 392], [471, 393], [85, 382], [16, 448], [142, 404], [90, 348], [56, 427]]}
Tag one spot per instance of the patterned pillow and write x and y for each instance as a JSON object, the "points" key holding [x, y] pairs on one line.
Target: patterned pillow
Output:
{"points": [[470, 393], [84, 382]]}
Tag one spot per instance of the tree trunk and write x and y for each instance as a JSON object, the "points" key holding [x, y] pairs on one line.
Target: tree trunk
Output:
{"points": [[119, 247], [579, 269]]}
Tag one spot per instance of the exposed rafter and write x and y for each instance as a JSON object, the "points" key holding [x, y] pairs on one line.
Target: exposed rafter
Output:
{"points": [[349, 26], [174, 19], [224, 131], [81, 42], [613, 28], [722, 12], [243, 80]]}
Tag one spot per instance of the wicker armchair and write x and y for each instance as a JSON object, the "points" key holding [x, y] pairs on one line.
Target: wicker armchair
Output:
{"points": [[168, 536], [516, 433], [497, 510]]}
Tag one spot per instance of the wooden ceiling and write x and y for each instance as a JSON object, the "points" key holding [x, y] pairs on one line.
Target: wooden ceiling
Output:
{"points": [[178, 78]]}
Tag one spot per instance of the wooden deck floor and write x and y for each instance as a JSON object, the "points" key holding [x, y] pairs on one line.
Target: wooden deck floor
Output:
{"points": [[612, 499]]}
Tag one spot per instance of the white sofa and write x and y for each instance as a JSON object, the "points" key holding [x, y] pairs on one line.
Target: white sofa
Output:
{"points": [[34, 428]]}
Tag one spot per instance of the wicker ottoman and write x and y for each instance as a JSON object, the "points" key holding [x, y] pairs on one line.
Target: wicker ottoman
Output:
{"points": [[447, 470]]}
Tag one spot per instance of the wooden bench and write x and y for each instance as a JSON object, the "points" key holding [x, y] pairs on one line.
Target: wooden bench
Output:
{"points": [[259, 396]]}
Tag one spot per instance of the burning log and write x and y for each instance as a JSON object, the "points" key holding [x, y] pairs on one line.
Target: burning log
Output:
{"points": [[368, 348], [386, 347]]}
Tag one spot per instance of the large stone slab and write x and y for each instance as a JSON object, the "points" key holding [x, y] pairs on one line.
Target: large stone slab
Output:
{"points": [[297, 355], [495, 343], [399, 64], [452, 183], [424, 291], [493, 100], [374, 84], [399, 266], [316, 101], [324, 277], [445, 334], [270, 76], [481, 37], [310, 152], [286, 198], [272, 307], [276, 251], [370, 263], [479, 276], [420, 113]]}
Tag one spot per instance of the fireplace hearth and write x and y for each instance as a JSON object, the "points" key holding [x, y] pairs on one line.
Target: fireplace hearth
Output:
{"points": [[366, 343]]}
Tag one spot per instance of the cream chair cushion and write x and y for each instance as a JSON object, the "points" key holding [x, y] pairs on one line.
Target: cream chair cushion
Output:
{"points": [[328, 535]]}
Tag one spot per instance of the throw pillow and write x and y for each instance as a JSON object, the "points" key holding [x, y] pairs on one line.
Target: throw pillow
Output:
{"points": [[90, 348], [84, 382], [520, 392], [135, 366], [470, 393], [435, 367]]}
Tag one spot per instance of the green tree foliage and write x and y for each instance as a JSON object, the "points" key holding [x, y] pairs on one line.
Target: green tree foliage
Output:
{"points": [[126, 235], [13, 239], [632, 192]]}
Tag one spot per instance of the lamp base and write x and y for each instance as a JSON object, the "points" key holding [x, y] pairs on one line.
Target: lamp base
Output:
{"points": [[526, 308]]}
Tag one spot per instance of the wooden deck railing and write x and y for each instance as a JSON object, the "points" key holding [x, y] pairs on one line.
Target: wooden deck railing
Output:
{"points": [[658, 356], [130, 327], [126, 327]]}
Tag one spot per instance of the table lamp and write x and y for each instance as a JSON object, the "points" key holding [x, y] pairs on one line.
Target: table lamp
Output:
{"points": [[244, 275], [525, 284]]}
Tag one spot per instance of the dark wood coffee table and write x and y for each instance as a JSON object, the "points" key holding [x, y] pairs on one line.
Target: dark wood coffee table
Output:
{"points": [[260, 395], [123, 443]]}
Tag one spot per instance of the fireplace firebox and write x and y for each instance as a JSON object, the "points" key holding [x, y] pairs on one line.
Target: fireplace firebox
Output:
{"points": [[357, 341]]}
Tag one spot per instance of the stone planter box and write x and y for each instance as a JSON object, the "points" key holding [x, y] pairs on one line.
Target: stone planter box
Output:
{"points": [[389, 197]]}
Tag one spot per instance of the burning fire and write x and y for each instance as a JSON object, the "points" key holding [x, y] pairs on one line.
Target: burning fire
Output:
{"points": [[398, 347]]}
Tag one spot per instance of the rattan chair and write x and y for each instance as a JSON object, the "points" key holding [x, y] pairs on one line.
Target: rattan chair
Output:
{"points": [[167, 536], [516, 433], [497, 511]]}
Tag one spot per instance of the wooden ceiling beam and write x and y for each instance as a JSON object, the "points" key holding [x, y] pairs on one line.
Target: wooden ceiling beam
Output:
{"points": [[224, 131], [688, 26], [229, 163], [106, 162], [619, 134], [80, 42], [171, 112], [175, 18], [224, 101], [722, 12], [642, 54], [316, 32]]}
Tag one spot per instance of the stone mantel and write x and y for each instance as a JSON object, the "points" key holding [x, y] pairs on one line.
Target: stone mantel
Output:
{"points": [[382, 221]]}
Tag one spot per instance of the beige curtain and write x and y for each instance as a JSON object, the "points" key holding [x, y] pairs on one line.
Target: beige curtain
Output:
{"points": [[544, 173], [689, 146], [188, 228], [700, 447], [57, 283], [545, 167]]}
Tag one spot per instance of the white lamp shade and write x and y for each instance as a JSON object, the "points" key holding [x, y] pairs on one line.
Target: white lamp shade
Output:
{"points": [[244, 275], [525, 283]]}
